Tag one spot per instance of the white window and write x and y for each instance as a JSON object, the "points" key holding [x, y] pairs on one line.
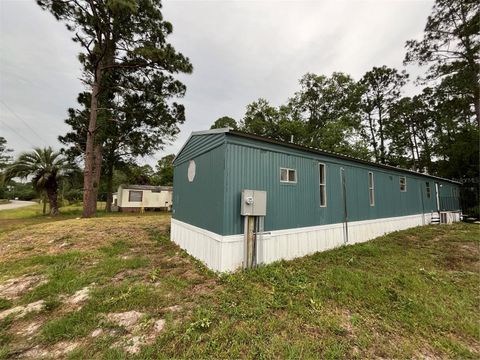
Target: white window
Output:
{"points": [[288, 175], [427, 187], [403, 184], [323, 184], [371, 188], [191, 170]]}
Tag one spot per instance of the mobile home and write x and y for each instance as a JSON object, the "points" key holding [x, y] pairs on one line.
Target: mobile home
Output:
{"points": [[231, 188], [135, 198]]}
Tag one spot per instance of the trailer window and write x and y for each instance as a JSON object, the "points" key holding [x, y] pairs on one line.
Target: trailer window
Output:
{"points": [[403, 184], [323, 184], [371, 188], [427, 187], [135, 196], [288, 175]]}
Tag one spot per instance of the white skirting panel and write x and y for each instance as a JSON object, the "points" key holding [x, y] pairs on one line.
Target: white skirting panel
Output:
{"points": [[201, 244], [225, 253]]}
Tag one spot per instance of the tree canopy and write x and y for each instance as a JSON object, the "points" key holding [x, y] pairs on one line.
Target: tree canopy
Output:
{"points": [[129, 66], [224, 122], [46, 167], [451, 48], [5, 157]]}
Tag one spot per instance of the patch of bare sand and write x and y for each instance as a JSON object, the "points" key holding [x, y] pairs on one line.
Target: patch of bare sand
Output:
{"points": [[29, 329], [15, 287], [22, 310], [58, 350], [76, 301], [128, 319], [140, 330]]}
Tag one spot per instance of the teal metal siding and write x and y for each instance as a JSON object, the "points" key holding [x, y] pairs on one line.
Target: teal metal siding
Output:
{"points": [[448, 198], [252, 164], [227, 163], [201, 202], [199, 144]]}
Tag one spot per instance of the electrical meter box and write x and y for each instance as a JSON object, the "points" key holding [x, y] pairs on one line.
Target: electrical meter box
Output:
{"points": [[254, 203]]}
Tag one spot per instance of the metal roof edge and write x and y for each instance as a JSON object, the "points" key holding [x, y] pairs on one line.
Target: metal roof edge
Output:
{"points": [[145, 187], [332, 154], [203, 132]]}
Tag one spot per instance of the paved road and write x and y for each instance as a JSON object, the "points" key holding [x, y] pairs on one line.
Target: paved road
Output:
{"points": [[16, 204]]}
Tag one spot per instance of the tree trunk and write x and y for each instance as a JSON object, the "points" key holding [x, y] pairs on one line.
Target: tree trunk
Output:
{"points": [[374, 140], [44, 200], [427, 153], [109, 177], [412, 150], [89, 199], [53, 201], [97, 171], [476, 104], [415, 144], [382, 138]]}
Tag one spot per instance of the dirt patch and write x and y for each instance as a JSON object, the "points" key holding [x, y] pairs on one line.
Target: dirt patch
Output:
{"points": [[133, 344], [128, 319], [58, 350], [16, 287], [140, 332], [21, 311], [174, 308], [77, 300], [192, 275], [462, 257], [346, 321], [204, 287], [129, 274], [96, 333], [29, 329], [37, 352]]}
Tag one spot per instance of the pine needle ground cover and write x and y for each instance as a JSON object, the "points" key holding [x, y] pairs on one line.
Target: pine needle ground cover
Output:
{"points": [[116, 287]]}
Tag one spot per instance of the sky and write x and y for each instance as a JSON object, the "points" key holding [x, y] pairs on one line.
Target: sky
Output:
{"points": [[240, 51]]}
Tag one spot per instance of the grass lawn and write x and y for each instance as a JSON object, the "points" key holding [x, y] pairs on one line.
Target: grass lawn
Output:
{"points": [[29, 215], [116, 287]]}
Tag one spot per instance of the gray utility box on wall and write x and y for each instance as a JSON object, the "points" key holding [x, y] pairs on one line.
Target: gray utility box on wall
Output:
{"points": [[254, 203]]}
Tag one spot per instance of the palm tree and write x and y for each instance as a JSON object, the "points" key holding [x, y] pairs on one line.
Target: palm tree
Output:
{"points": [[46, 169]]}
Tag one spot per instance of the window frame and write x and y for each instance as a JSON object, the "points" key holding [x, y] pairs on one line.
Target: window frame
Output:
{"points": [[135, 191], [404, 183], [288, 176], [428, 189], [322, 186], [371, 188]]}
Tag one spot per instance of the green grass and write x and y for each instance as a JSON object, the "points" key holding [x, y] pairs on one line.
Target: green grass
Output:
{"points": [[408, 294], [30, 215]]}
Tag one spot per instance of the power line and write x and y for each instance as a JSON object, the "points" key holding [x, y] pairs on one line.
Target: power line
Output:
{"points": [[18, 134], [26, 124]]}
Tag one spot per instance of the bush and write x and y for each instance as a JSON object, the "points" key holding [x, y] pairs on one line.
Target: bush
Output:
{"points": [[73, 195], [472, 212]]}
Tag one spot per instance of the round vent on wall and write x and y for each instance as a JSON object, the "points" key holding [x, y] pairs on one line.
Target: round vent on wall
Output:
{"points": [[191, 170]]}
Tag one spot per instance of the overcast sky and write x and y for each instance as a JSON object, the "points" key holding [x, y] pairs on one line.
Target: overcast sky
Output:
{"points": [[240, 50]]}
